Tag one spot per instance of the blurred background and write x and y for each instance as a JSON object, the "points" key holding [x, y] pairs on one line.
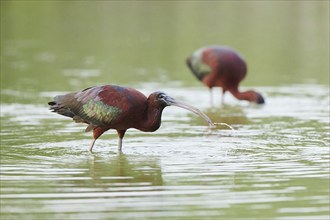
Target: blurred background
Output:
{"points": [[273, 165], [57, 45]]}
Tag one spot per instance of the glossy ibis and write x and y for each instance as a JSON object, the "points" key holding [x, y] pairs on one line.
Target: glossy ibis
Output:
{"points": [[219, 66], [115, 107]]}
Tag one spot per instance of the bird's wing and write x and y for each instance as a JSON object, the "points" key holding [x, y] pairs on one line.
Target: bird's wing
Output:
{"points": [[197, 66], [89, 106]]}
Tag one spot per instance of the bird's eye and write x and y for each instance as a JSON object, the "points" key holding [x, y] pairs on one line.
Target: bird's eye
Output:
{"points": [[161, 95]]}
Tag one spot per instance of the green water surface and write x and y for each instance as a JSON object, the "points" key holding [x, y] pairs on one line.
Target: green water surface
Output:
{"points": [[274, 164]]}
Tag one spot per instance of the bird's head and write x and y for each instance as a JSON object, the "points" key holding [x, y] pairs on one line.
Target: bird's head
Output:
{"points": [[260, 99], [161, 100], [255, 97]]}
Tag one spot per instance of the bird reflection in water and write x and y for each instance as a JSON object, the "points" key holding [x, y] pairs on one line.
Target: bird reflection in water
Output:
{"points": [[123, 170]]}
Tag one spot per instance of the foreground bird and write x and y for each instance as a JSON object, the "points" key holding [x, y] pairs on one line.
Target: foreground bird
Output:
{"points": [[218, 66], [115, 107]]}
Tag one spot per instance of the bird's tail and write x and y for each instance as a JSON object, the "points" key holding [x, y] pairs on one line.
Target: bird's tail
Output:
{"points": [[59, 105]]}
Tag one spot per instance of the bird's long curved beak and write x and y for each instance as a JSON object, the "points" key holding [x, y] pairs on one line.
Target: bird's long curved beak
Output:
{"points": [[172, 101]]}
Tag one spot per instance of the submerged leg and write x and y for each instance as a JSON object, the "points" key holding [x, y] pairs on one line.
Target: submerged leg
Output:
{"points": [[121, 134]]}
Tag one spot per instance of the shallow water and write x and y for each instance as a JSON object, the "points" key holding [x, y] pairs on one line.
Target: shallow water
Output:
{"points": [[274, 164]]}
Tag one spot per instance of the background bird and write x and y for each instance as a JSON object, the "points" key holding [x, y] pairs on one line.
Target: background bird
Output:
{"points": [[115, 107], [219, 66]]}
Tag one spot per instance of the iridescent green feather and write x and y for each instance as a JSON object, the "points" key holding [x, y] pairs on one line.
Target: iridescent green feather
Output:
{"points": [[100, 113], [199, 68]]}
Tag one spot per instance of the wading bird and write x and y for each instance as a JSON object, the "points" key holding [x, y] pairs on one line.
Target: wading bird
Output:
{"points": [[219, 66], [115, 107]]}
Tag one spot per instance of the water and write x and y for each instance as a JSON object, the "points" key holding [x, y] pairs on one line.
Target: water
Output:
{"points": [[275, 164]]}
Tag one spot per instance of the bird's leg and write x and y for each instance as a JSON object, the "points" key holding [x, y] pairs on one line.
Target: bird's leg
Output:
{"points": [[91, 146], [97, 132], [223, 96], [211, 96], [121, 134], [120, 145]]}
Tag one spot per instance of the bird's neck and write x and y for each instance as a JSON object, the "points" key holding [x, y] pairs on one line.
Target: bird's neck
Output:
{"points": [[152, 120], [248, 95]]}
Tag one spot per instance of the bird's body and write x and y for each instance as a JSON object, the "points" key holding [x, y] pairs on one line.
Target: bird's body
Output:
{"points": [[115, 107], [218, 66]]}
